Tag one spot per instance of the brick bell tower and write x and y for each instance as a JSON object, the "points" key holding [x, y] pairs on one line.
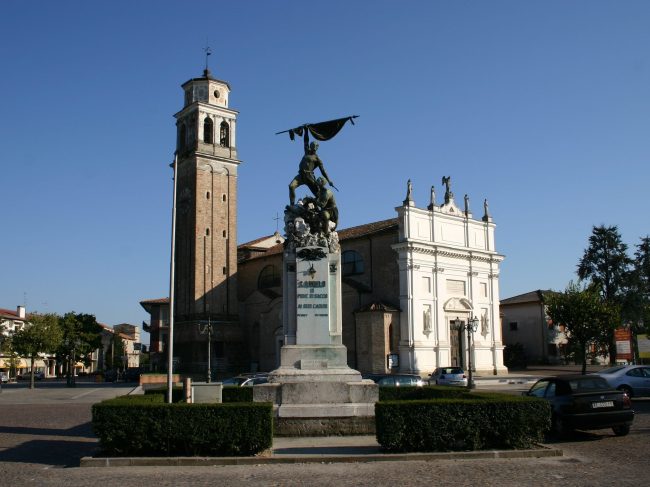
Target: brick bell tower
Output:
{"points": [[205, 286]]}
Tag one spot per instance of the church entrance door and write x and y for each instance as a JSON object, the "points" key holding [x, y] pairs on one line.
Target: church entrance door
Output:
{"points": [[457, 353]]}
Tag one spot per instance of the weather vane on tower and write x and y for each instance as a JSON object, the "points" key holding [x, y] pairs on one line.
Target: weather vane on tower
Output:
{"points": [[207, 51]]}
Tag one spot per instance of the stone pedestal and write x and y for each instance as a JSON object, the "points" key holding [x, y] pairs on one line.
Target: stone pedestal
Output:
{"points": [[314, 392]]}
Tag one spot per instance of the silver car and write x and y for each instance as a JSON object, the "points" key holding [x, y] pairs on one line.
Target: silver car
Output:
{"points": [[448, 376], [631, 379]]}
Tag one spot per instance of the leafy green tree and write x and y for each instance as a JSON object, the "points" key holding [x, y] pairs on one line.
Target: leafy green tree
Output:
{"points": [[636, 305], [81, 337], [42, 334], [640, 290], [587, 318], [606, 266]]}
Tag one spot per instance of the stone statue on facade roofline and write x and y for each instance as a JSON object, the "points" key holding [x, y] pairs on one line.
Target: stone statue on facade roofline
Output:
{"points": [[432, 202], [446, 181], [467, 205], [409, 193], [486, 212]]}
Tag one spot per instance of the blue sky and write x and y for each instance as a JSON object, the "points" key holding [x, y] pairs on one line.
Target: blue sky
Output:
{"points": [[543, 107]]}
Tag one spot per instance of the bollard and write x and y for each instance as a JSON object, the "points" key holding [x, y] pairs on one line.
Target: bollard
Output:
{"points": [[187, 389]]}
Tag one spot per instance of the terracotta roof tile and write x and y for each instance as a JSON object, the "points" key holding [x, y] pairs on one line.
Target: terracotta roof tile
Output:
{"points": [[536, 296], [345, 234]]}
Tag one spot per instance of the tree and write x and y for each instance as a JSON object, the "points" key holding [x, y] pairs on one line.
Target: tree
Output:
{"points": [[636, 305], [588, 319], [42, 334], [606, 266], [81, 337]]}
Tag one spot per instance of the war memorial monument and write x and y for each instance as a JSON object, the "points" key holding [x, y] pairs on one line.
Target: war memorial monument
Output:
{"points": [[313, 390]]}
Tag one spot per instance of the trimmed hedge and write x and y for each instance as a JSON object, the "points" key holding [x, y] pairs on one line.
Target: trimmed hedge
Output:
{"points": [[411, 393], [177, 393], [147, 426], [237, 394], [229, 394], [484, 421]]}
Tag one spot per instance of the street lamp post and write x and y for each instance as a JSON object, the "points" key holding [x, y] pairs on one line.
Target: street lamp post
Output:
{"points": [[203, 330], [470, 326]]}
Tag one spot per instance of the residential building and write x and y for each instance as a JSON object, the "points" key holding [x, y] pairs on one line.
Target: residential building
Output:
{"points": [[524, 321]]}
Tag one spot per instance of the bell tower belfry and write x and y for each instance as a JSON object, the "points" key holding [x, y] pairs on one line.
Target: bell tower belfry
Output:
{"points": [[205, 286]]}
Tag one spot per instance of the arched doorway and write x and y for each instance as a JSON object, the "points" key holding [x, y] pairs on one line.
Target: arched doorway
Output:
{"points": [[457, 309]]}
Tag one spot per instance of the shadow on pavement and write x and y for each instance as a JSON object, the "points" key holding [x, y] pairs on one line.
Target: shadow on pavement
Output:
{"points": [[79, 431], [59, 453]]}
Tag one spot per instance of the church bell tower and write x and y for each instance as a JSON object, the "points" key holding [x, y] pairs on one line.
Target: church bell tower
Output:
{"points": [[205, 287]]}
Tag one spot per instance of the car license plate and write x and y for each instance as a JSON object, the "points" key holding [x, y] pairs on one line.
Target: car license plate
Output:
{"points": [[603, 404]]}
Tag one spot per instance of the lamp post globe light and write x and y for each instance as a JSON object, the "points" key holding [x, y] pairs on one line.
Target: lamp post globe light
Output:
{"points": [[471, 326]]}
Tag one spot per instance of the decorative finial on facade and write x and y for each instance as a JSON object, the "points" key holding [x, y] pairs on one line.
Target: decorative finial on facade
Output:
{"points": [[432, 202], [409, 194], [446, 181], [467, 212], [486, 212]]}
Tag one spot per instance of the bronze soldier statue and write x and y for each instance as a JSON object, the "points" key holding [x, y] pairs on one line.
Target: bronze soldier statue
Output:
{"points": [[309, 162], [330, 212]]}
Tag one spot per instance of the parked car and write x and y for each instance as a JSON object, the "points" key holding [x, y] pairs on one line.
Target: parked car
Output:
{"points": [[27, 376], [395, 380], [632, 379], [246, 380], [448, 376], [584, 402]]}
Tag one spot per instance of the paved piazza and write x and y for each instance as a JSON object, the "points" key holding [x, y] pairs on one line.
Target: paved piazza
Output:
{"points": [[44, 433]]}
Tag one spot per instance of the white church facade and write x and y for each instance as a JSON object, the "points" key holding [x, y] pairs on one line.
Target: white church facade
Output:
{"points": [[448, 272]]}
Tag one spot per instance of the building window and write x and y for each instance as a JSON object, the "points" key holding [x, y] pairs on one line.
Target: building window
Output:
{"points": [[208, 130], [514, 326], [224, 135], [207, 195], [224, 198], [224, 234], [484, 289], [207, 232], [269, 277], [352, 263]]}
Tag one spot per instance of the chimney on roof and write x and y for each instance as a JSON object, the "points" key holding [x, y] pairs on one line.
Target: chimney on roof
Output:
{"points": [[20, 311]]}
